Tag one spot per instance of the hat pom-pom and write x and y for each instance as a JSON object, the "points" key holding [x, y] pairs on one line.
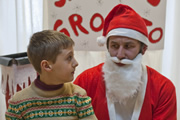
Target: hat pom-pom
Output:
{"points": [[101, 40]]}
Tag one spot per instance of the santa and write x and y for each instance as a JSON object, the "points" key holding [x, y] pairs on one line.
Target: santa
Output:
{"points": [[122, 88]]}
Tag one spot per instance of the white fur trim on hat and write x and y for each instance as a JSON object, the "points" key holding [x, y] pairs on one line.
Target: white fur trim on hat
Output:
{"points": [[101, 40], [128, 33]]}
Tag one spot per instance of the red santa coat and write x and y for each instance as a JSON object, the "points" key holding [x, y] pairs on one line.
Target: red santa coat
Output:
{"points": [[159, 101]]}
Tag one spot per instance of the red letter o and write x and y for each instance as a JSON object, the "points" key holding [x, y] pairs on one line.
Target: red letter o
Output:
{"points": [[154, 30], [96, 29]]}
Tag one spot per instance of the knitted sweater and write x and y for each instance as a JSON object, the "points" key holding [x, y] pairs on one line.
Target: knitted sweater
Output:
{"points": [[70, 102]]}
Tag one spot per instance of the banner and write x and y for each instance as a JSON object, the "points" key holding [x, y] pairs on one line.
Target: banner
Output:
{"points": [[83, 20]]}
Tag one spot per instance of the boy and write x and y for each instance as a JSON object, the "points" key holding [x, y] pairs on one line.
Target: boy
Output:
{"points": [[51, 96]]}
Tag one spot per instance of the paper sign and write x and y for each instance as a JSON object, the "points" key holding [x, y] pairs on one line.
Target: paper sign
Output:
{"points": [[83, 20]]}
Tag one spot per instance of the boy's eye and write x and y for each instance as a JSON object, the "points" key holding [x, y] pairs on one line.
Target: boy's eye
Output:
{"points": [[69, 58]]}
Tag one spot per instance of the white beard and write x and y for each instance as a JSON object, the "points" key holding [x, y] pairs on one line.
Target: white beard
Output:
{"points": [[122, 82]]}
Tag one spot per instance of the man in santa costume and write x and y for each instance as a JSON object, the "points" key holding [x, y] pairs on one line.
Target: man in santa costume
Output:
{"points": [[122, 88]]}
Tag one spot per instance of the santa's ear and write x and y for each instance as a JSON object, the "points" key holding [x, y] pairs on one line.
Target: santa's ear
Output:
{"points": [[45, 65], [143, 49]]}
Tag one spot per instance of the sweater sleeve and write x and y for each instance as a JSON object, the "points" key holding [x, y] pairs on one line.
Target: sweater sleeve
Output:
{"points": [[85, 109], [83, 105], [13, 112]]}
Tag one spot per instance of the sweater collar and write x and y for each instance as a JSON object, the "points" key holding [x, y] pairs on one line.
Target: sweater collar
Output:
{"points": [[46, 87]]}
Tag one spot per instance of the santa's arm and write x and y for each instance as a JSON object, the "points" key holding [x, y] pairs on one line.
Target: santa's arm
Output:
{"points": [[167, 104]]}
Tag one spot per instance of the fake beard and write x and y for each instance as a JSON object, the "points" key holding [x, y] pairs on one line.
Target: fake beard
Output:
{"points": [[122, 82]]}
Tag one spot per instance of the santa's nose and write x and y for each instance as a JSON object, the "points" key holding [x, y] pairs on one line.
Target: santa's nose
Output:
{"points": [[121, 53]]}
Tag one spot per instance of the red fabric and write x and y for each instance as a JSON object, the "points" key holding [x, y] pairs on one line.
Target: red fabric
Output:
{"points": [[159, 102], [160, 98], [123, 16]]}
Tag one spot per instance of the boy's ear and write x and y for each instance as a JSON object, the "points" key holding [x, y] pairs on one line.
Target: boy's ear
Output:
{"points": [[45, 65]]}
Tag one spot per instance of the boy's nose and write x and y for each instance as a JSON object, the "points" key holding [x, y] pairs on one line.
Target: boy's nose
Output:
{"points": [[75, 63]]}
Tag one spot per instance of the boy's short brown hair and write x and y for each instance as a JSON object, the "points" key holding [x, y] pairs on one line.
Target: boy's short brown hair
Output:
{"points": [[46, 45]]}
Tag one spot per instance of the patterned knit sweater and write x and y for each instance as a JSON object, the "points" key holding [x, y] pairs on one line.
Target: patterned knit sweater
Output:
{"points": [[70, 102]]}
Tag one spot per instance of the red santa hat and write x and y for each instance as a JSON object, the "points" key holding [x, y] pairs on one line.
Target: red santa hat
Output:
{"points": [[124, 21]]}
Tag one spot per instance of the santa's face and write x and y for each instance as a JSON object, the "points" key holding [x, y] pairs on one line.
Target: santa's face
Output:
{"points": [[123, 48]]}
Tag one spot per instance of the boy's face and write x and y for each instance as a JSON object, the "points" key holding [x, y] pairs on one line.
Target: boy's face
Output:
{"points": [[64, 67]]}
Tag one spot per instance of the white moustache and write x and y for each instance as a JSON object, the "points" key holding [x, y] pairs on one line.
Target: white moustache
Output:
{"points": [[123, 61], [126, 61]]}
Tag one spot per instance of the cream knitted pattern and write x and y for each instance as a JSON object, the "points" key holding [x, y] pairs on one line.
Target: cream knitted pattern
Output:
{"points": [[69, 102]]}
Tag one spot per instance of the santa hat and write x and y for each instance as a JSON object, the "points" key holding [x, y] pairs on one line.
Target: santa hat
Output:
{"points": [[124, 21]]}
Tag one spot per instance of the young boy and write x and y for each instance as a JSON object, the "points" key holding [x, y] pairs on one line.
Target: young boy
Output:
{"points": [[51, 96]]}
